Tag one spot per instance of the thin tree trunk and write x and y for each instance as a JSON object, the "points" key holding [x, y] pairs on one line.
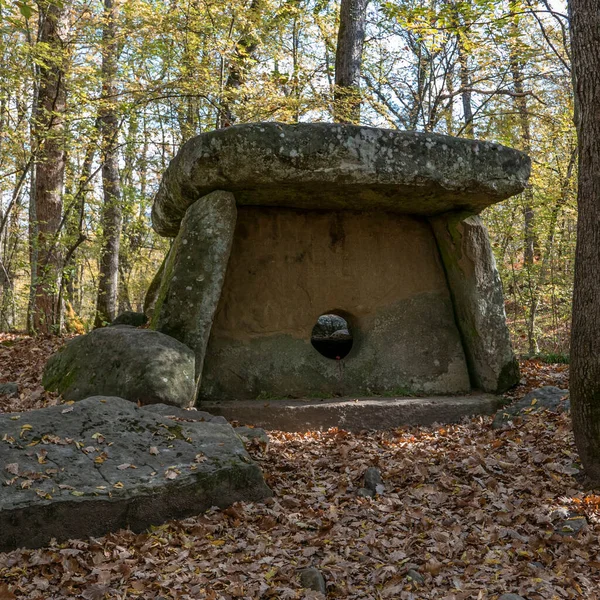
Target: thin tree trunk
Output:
{"points": [[465, 84], [585, 337], [348, 60], [245, 50], [49, 126], [529, 241], [108, 277]]}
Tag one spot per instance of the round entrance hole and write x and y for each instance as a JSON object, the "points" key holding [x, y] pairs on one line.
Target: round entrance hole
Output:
{"points": [[331, 336]]}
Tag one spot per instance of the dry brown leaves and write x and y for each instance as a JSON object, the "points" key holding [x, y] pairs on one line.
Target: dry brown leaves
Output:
{"points": [[536, 374], [22, 360], [472, 509]]}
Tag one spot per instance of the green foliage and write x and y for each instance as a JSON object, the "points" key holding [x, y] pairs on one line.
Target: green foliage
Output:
{"points": [[185, 67]]}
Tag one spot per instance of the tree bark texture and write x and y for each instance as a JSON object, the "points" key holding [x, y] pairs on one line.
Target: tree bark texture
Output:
{"points": [[348, 60], [245, 50], [108, 279], [50, 162], [585, 336]]}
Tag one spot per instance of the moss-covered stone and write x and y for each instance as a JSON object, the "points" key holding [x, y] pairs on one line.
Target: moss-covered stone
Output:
{"points": [[478, 300], [137, 364], [334, 166], [194, 273]]}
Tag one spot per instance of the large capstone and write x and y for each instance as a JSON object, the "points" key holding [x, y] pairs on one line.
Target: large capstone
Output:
{"points": [[104, 464], [141, 365], [332, 166], [194, 273]]}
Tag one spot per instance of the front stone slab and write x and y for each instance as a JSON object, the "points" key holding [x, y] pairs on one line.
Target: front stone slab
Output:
{"points": [[194, 273], [478, 300], [333, 166], [103, 464], [381, 272]]}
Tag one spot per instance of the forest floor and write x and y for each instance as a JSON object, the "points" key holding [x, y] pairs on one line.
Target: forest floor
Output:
{"points": [[473, 512]]}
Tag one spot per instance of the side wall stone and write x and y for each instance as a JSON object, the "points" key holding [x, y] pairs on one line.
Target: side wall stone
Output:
{"points": [[194, 273], [478, 300]]}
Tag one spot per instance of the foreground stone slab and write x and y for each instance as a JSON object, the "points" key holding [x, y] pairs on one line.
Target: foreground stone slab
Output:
{"points": [[137, 364], [102, 464], [333, 166], [478, 301], [194, 273], [354, 414]]}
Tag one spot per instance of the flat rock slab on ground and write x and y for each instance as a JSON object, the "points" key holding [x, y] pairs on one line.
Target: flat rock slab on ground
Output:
{"points": [[102, 464], [545, 398], [353, 414]]}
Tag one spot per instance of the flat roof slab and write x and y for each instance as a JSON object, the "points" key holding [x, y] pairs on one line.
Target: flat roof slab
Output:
{"points": [[333, 166]]}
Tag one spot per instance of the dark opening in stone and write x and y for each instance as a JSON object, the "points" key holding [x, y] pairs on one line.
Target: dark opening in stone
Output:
{"points": [[332, 336]]}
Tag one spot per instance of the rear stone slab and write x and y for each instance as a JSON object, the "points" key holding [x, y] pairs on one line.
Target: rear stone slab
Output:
{"points": [[103, 464]]}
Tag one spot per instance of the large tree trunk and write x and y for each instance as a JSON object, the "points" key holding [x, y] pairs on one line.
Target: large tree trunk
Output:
{"points": [[348, 60], [49, 132], [108, 280], [585, 337]]}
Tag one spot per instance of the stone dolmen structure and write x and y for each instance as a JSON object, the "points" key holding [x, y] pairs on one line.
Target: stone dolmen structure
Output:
{"points": [[277, 225]]}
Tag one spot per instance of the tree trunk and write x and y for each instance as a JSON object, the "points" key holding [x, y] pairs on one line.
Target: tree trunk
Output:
{"points": [[465, 79], [529, 241], [585, 336], [348, 61], [245, 49], [108, 278], [49, 133]]}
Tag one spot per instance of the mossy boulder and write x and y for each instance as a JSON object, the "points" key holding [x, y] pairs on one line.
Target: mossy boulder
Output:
{"points": [[143, 366]]}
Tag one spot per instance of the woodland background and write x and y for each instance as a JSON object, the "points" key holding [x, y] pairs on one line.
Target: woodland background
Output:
{"points": [[96, 97]]}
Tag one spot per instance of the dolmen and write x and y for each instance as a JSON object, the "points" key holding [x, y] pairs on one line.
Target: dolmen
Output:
{"points": [[278, 226]]}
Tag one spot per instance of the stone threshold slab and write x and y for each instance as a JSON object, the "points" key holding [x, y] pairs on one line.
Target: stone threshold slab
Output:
{"points": [[353, 414]]}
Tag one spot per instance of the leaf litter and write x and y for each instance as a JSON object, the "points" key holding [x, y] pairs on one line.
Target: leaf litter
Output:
{"points": [[465, 512]]}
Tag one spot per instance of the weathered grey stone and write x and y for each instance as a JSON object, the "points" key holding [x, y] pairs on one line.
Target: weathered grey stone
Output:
{"points": [[328, 325], [312, 579], [354, 414], [181, 414], [333, 166], [135, 319], [373, 481], [572, 526], [103, 464], [415, 576], [153, 290], [137, 364], [253, 434], [195, 271], [545, 398], [9, 389], [478, 301], [365, 493]]}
